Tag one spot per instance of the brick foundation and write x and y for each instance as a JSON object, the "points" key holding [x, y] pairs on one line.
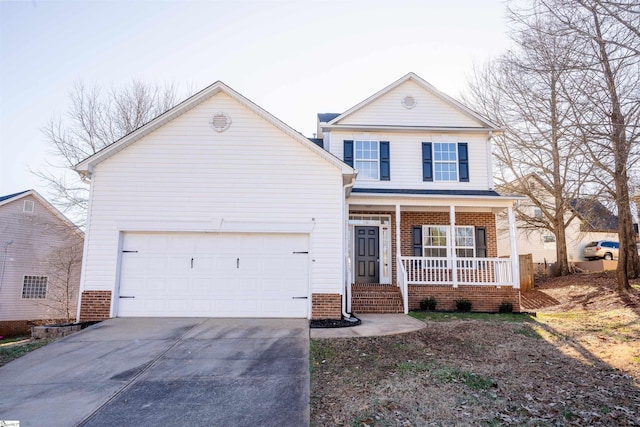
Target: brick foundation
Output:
{"points": [[95, 305], [14, 328], [326, 306], [483, 298]]}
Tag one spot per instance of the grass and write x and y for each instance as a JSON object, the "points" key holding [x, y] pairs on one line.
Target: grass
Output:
{"points": [[490, 317], [529, 332], [471, 380], [12, 339], [414, 367], [7, 354]]}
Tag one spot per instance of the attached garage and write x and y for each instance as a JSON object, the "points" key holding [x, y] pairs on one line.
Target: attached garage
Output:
{"points": [[214, 275]]}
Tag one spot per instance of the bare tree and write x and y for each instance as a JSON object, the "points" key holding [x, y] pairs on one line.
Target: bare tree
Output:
{"points": [[95, 119], [606, 105], [63, 272], [524, 91]]}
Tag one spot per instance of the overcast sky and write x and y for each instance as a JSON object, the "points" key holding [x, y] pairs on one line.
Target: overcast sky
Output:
{"points": [[294, 59]]}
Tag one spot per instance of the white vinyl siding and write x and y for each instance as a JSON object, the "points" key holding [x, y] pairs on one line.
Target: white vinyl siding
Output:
{"points": [[406, 159], [186, 176], [429, 110]]}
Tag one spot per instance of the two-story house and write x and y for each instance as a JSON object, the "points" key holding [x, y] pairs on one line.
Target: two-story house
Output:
{"points": [[40, 262], [218, 209]]}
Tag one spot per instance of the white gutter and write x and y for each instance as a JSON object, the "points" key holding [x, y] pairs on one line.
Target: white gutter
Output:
{"points": [[411, 128], [346, 294]]}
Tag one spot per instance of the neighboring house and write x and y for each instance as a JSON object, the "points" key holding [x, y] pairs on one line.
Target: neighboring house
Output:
{"points": [[589, 220], [41, 254], [217, 208]]}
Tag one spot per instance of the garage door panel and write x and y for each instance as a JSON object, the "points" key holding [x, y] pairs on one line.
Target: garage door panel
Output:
{"points": [[214, 275]]}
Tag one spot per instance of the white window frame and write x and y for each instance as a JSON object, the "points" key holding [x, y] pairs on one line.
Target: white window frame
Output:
{"points": [[34, 286], [437, 162], [29, 206], [447, 236], [375, 161]]}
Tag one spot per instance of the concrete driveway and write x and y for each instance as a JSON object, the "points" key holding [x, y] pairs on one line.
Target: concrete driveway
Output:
{"points": [[165, 371]]}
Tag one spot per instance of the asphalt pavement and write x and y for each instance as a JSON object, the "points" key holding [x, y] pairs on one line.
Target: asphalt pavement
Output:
{"points": [[164, 371]]}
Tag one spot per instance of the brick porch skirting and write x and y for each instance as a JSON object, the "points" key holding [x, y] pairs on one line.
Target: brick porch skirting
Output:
{"points": [[95, 305], [483, 298], [326, 306]]}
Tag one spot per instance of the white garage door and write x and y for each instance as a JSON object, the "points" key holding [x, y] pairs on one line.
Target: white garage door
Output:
{"points": [[214, 275]]}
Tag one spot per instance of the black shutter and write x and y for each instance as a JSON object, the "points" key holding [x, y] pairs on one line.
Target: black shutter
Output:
{"points": [[481, 242], [427, 162], [416, 240], [463, 161], [348, 153], [385, 164]]}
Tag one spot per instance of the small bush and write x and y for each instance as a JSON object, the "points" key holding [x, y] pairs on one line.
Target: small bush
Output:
{"points": [[463, 305], [428, 304], [505, 307]]}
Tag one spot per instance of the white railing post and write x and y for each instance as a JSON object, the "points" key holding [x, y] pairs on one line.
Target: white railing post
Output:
{"points": [[402, 282], [398, 244], [513, 241], [452, 245]]}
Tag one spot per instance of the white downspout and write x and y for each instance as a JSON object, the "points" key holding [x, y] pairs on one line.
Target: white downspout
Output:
{"points": [[346, 294]]}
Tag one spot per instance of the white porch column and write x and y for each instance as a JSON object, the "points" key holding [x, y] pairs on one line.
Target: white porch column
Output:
{"points": [[398, 251], [513, 242], [452, 245]]}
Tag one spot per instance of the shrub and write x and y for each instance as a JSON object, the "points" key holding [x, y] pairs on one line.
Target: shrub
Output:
{"points": [[463, 305], [505, 307], [428, 304]]}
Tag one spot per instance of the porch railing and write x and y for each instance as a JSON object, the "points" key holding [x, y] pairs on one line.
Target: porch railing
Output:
{"points": [[469, 271]]}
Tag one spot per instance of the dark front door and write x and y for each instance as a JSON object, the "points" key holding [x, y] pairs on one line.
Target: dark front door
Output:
{"points": [[367, 255]]}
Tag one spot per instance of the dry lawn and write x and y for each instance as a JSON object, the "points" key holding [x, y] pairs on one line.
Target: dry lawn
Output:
{"points": [[576, 363]]}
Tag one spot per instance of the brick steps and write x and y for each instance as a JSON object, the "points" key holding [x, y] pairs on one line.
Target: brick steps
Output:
{"points": [[376, 298]]}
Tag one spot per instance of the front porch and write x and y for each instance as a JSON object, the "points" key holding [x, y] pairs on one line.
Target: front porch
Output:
{"points": [[428, 247]]}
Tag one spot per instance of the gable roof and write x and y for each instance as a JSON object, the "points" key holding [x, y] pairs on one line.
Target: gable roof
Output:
{"points": [[427, 87], [11, 196], [86, 166], [595, 215], [327, 117], [5, 200]]}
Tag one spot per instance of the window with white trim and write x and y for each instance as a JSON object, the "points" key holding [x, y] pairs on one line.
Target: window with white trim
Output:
{"points": [[28, 206], [34, 287], [434, 240], [367, 159], [436, 237], [445, 161], [465, 242]]}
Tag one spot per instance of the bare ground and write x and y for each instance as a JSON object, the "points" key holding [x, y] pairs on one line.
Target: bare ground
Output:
{"points": [[576, 363]]}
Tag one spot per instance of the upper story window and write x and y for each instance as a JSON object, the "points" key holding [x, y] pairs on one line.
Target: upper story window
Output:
{"points": [[370, 158], [445, 161], [367, 158]]}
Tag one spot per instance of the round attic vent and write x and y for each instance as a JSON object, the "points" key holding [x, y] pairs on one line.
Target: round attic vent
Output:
{"points": [[220, 122], [409, 102]]}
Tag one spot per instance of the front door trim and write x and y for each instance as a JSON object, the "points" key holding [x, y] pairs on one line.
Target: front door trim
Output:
{"points": [[383, 222]]}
